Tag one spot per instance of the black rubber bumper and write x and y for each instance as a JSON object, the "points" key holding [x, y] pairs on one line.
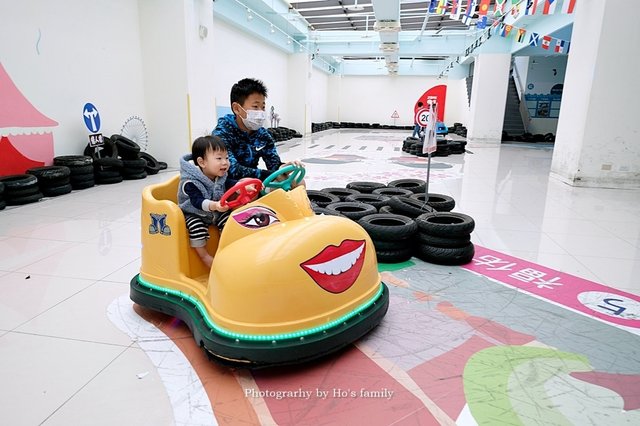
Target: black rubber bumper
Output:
{"points": [[241, 352]]}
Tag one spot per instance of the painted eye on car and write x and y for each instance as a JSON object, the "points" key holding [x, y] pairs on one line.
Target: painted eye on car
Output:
{"points": [[256, 217]]}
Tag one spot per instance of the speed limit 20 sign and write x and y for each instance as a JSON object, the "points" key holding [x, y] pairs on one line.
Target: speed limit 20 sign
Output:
{"points": [[422, 117]]}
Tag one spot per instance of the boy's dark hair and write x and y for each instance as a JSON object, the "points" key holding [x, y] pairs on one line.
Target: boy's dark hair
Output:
{"points": [[206, 143], [245, 87]]}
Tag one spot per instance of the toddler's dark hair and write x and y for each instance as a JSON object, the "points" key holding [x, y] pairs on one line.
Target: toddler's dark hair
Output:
{"points": [[206, 143], [245, 87]]}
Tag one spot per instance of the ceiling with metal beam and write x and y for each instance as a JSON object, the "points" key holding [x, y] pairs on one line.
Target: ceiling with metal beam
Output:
{"points": [[381, 37]]}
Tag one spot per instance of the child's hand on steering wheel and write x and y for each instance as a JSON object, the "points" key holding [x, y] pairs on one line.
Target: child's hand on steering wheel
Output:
{"points": [[216, 206]]}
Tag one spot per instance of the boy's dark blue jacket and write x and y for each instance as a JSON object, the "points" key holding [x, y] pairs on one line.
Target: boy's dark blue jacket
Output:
{"points": [[245, 150]]}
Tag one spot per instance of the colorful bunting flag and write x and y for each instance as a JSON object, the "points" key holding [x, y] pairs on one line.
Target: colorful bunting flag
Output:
{"points": [[456, 9], [559, 46], [515, 8], [466, 19], [534, 39], [499, 8], [531, 7], [546, 42], [549, 7], [442, 7], [521, 35], [482, 14], [507, 30], [568, 6]]}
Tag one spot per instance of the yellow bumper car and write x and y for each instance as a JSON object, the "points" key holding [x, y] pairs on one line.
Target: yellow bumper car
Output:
{"points": [[285, 286]]}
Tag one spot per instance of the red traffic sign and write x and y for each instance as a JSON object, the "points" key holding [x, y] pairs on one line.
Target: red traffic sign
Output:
{"points": [[422, 117], [395, 114]]}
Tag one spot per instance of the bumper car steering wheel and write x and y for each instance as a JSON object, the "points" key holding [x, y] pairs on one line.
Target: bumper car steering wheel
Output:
{"points": [[244, 194], [296, 174]]}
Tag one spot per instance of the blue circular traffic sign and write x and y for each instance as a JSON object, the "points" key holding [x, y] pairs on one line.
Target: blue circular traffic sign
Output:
{"points": [[91, 117]]}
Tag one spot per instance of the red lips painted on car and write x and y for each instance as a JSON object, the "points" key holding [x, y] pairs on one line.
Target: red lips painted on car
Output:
{"points": [[336, 268]]}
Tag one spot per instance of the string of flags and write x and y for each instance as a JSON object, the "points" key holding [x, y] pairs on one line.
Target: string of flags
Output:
{"points": [[500, 12], [518, 7]]}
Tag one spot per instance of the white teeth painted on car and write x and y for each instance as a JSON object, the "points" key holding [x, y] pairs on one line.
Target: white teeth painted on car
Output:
{"points": [[339, 264]]}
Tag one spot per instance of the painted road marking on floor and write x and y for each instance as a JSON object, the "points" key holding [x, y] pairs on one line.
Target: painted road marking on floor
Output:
{"points": [[586, 297], [363, 147], [328, 147], [313, 146], [346, 147], [407, 382]]}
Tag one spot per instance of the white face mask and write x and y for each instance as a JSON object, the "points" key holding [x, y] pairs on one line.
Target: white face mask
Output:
{"points": [[255, 118]]}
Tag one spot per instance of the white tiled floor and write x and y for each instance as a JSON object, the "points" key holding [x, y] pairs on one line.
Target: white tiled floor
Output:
{"points": [[64, 260]]}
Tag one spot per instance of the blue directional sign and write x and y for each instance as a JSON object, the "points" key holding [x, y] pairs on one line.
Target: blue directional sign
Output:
{"points": [[91, 117]]}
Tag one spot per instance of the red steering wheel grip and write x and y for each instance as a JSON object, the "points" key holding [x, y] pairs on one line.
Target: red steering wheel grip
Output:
{"points": [[244, 194]]}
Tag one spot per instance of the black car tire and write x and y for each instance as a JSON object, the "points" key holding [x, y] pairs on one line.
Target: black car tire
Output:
{"points": [[365, 187], [409, 207], [446, 224], [352, 210], [341, 193], [390, 192], [128, 149], [322, 198], [72, 161], [388, 227], [56, 190], [440, 202], [444, 242], [446, 256], [394, 256], [414, 185], [375, 200]]}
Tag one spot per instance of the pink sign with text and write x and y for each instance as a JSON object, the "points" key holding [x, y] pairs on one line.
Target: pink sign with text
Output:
{"points": [[593, 299]]}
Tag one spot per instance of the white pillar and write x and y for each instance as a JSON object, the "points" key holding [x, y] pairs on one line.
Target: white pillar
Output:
{"points": [[299, 94], [177, 59], [598, 138], [488, 97]]}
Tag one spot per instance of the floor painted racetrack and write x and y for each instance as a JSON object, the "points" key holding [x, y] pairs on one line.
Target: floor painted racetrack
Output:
{"points": [[541, 328]]}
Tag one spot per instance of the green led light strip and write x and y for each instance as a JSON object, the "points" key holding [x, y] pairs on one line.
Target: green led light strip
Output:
{"points": [[259, 337]]}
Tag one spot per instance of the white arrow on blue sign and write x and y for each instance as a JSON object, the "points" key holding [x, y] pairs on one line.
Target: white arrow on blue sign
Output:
{"points": [[91, 117]]}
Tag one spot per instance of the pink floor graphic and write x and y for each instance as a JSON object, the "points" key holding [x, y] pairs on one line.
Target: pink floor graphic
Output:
{"points": [[592, 299]]}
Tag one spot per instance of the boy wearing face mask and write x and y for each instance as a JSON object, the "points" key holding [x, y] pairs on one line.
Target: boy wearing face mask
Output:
{"points": [[242, 132]]}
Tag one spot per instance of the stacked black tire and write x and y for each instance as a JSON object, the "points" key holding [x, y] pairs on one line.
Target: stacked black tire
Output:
{"points": [[392, 236], [444, 238], [280, 134], [444, 147], [107, 167], [52, 180], [133, 166], [20, 189], [80, 170], [399, 221]]}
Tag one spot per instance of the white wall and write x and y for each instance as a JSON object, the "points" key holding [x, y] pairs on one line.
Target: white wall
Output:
{"points": [[65, 53], [164, 56], [540, 73], [238, 55], [373, 99], [201, 66], [319, 96]]}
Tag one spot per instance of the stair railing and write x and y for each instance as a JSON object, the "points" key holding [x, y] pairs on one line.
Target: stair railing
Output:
{"points": [[524, 111]]}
